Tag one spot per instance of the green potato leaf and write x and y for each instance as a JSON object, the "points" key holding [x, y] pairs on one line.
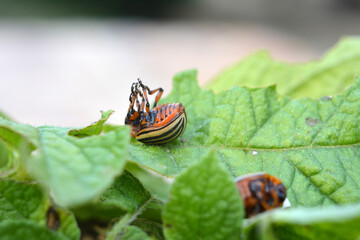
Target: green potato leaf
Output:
{"points": [[25, 201], [157, 185], [306, 223], [204, 204], [22, 201], [125, 195], [4, 158], [75, 170], [132, 233], [126, 199], [92, 129], [120, 227], [153, 229], [126, 192], [26, 229], [311, 145], [328, 76]]}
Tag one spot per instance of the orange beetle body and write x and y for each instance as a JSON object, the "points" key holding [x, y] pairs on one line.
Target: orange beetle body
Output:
{"points": [[159, 125], [260, 192]]}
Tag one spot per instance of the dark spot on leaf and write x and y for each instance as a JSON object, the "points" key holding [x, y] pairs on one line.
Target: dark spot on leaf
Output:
{"points": [[245, 151], [311, 122], [183, 140], [168, 225], [52, 219]]}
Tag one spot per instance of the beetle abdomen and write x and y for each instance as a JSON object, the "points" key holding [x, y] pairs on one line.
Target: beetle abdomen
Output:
{"points": [[260, 192], [170, 122]]}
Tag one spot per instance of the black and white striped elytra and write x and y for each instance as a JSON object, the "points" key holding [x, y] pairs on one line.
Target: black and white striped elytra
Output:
{"points": [[165, 133]]}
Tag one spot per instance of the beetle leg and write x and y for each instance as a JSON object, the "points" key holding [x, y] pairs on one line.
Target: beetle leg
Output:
{"points": [[158, 96], [141, 108], [150, 92], [138, 104], [132, 99], [145, 99]]}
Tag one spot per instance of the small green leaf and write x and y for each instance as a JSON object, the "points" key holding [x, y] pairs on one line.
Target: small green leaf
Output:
{"points": [[25, 201], [313, 146], [78, 169], [153, 229], [21, 201], [126, 192], [204, 204], [18, 136], [329, 76], [132, 233], [27, 229], [17, 141], [306, 223], [118, 229], [126, 195], [68, 224], [75, 170], [93, 129], [155, 184], [100, 212], [4, 155]]}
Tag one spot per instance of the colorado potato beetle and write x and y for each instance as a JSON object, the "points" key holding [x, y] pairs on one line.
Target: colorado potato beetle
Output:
{"points": [[260, 192], [158, 125]]}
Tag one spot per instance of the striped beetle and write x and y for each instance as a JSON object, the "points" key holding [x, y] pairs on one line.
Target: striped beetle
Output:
{"points": [[260, 192], [158, 125]]}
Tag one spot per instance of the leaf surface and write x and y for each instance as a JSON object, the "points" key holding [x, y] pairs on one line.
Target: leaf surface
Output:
{"points": [[134, 233], [92, 129], [26, 229], [126, 199], [306, 223], [21, 201], [204, 204], [313, 146], [126, 192], [328, 76], [120, 228], [25, 201], [75, 170]]}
